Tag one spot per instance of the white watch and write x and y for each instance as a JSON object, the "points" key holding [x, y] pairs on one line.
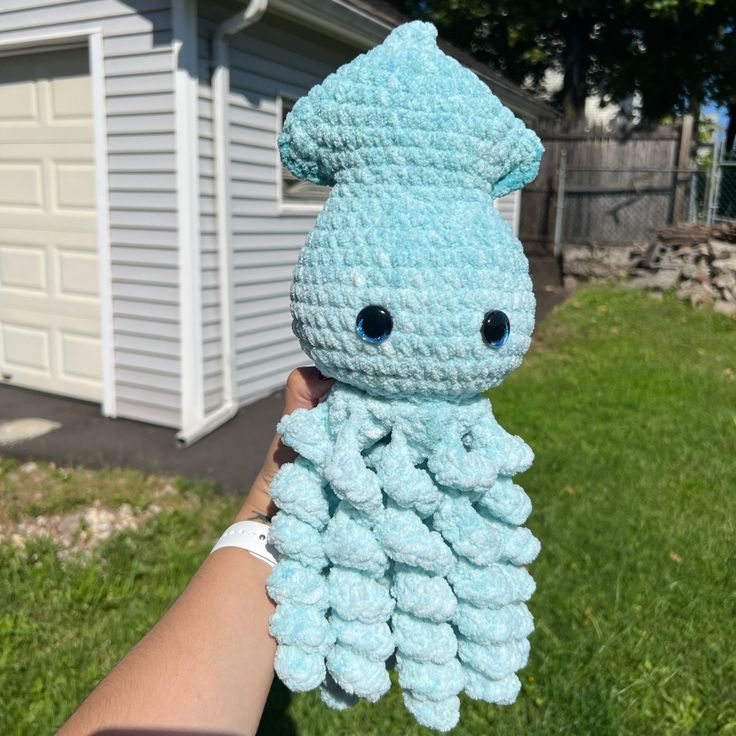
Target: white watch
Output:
{"points": [[251, 536]]}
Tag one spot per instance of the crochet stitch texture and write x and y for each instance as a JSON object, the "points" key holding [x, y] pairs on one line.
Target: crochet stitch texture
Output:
{"points": [[399, 525]]}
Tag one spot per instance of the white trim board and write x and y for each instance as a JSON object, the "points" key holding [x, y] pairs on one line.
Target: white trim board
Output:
{"points": [[184, 57], [26, 42]]}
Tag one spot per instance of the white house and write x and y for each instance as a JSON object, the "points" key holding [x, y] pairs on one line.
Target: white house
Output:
{"points": [[147, 229]]}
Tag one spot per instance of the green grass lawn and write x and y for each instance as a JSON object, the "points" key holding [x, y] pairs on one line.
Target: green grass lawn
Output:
{"points": [[630, 405]]}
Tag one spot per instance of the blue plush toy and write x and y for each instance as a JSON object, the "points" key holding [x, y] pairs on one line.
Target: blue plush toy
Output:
{"points": [[400, 526]]}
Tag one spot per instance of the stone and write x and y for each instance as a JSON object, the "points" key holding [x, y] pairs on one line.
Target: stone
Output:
{"points": [[588, 262], [722, 248], [725, 281], [725, 265], [724, 307], [662, 279], [702, 294], [694, 270]]}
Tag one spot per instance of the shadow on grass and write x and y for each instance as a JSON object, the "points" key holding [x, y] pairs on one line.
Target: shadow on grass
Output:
{"points": [[276, 720]]}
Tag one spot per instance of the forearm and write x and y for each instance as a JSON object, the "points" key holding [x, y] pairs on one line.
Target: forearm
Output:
{"points": [[207, 664]]}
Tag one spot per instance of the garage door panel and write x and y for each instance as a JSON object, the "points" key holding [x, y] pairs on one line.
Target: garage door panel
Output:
{"points": [[25, 236], [23, 268], [21, 187], [19, 102], [49, 302], [71, 100], [79, 357], [77, 275], [38, 134], [26, 347], [45, 222], [64, 317], [74, 187]]}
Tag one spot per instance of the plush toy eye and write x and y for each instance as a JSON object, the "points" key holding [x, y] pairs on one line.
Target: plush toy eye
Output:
{"points": [[495, 328], [374, 324]]}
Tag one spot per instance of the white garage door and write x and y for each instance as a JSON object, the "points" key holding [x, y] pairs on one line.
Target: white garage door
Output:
{"points": [[49, 304]]}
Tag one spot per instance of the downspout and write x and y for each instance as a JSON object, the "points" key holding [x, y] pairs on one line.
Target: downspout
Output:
{"points": [[249, 15]]}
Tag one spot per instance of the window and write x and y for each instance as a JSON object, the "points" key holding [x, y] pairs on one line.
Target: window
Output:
{"points": [[293, 190]]}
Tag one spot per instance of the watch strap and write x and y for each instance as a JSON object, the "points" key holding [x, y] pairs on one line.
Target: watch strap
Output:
{"points": [[251, 536]]}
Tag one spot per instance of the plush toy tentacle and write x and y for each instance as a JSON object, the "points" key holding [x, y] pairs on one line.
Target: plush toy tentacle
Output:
{"points": [[334, 696], [358, 675], [361, 605], [358, 661], [494, 661], [405, 538], [299, 490], [518, 545], [302, 625], [306, 431], [298, 669], [296, 539], [426, 661], [422, 594], [493, 625], [431, 691], [506, 501], [469, 534], [507, 452], [299, 624], [492, 620], [350, 542], [493, 586], [456, 466], [348, 475], [409, 486]]}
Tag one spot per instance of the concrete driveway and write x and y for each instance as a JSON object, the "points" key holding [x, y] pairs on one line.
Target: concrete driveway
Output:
{"points": [[230, 456]]}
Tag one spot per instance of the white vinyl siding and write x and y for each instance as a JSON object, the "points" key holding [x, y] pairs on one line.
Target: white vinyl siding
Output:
{"points": [[270, 61], [138, 68]]}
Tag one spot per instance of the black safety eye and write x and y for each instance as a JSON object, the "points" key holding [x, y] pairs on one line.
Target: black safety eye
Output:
{"points": [[374, 324], [495, 328]]}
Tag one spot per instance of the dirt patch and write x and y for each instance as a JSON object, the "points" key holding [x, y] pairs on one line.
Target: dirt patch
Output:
{"points": [[78, 531], [78, 509]]}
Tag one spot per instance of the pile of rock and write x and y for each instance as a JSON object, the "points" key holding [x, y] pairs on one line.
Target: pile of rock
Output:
{"points": [[699, 261]]}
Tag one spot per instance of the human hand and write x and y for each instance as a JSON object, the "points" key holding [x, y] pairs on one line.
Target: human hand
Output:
{"points": [[305, 388]]}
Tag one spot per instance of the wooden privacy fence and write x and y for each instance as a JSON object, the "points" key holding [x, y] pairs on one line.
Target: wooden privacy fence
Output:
{"points": [[601, 187]]}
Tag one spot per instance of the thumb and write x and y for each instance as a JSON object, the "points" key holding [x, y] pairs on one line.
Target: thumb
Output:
{"points": [[305, 388]]}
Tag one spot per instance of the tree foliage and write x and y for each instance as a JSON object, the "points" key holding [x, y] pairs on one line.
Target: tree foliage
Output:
{"points": [[671, 52]]}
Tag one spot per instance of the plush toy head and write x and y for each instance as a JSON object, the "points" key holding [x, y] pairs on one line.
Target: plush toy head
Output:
{"points": [[411, 284]]}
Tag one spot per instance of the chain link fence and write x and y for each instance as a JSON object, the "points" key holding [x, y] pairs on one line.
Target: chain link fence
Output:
{"points": [[617, 206], [609, 206], [720, 191]]}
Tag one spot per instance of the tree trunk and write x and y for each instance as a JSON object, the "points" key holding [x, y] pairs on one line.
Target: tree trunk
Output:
{"points": [[575, 67], [731, 130]]}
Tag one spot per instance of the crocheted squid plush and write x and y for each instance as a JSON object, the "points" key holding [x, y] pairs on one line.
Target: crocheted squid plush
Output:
{"points": [[399, 526]]}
